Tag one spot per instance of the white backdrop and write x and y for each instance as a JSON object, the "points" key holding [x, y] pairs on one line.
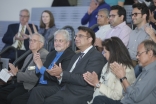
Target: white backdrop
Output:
{"points": [[9, 9]]}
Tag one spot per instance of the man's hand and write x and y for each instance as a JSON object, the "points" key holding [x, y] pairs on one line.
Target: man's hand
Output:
{"points": [[37, 60], [34, 28], [24, 36], [13, 70], [18, 38], [92, 7], [91, 78], [55, 71], [118, 70], [151, 32]]}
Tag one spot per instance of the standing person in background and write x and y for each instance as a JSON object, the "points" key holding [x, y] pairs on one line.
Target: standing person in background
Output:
{"points": [[115, 2], [56, 3], [90, 16], [47, 29]]}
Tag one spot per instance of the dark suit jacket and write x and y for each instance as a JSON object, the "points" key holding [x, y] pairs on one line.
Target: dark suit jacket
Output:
{"points": [[75, 83], [12, 31], [64, 60]]}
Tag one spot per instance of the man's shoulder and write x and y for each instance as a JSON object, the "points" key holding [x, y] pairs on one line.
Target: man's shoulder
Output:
{"points": [[93, 52], [68, 52], [43, 51], [14, 24]]}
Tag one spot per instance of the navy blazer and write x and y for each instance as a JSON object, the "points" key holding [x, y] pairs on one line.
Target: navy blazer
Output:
{"points": [[12, 31]]}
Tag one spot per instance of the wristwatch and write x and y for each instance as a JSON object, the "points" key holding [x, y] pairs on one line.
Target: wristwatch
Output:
{"points": [[121, 80], [98, 85]]}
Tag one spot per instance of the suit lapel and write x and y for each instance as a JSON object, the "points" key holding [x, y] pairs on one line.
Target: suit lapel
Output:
{"points": [[86, 56], [50, 59]]}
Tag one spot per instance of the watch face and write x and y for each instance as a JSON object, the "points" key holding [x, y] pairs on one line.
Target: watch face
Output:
{"points": [[98, 85]]}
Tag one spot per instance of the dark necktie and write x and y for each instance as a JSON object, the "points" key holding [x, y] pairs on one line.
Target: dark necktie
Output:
{"points": [[80, 57]]}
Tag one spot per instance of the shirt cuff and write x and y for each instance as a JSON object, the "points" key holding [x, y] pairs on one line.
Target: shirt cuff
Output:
{"points": [[42, 70], [60, 80], [37, 70]]}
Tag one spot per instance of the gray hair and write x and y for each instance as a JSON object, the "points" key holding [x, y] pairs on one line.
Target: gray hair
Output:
{"points": [[106, 11], [26, 10], [40, 36], [63, 32], [149, 45]]}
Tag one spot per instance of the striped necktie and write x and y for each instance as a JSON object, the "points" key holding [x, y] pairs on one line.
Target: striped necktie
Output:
{"points": [[19, 41]]}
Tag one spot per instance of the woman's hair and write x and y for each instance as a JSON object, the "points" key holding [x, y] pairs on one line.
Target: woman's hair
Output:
{"points": [[51, 22], [118, 51]]}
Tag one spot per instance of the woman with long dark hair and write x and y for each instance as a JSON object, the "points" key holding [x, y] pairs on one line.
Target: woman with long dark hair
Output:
{"points": [[109, 85]]}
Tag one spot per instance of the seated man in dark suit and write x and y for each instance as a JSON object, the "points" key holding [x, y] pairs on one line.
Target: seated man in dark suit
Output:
{"points": [[49, 84], [26, 76], [76, 90], [17, 36]]}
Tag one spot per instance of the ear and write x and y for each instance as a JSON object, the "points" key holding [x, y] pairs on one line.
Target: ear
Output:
{"points": [[90, 39], [144, 16], [68, 43], [150, 53], [41, 44], [121, 17]]}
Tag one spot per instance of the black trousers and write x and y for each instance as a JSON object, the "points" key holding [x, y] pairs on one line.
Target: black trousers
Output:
{"points": [[37, 95], [105, 100], [8, 93]]}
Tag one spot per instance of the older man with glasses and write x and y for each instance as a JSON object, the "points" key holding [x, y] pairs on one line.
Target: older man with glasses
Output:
{"points": [[142, 91], [26, 77], [17, 36]]}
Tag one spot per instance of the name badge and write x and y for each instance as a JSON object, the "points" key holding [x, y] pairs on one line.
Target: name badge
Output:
{"points": [[31, 67]]}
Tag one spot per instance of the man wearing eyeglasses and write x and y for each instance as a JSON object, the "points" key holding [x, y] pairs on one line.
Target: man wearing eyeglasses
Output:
{"points": [[26, 77], [140, 17], [48, 83], [142, 91], [117, 19], [17, 36], [104, 27], [90, 16]]}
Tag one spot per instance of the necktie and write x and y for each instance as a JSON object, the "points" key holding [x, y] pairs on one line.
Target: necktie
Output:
{"points": [[19, 41], [80, 57]]}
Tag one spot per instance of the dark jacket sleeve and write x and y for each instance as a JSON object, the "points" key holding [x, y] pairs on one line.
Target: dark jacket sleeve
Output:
{"points": [[8, 36], [94, 63]]}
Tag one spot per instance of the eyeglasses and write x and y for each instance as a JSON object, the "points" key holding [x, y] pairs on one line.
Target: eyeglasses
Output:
{"points": [[80, 36], [139, 54], [60, 41], [113, 16], [23, 16], [101, 16], [134, 14], [33, 40]]}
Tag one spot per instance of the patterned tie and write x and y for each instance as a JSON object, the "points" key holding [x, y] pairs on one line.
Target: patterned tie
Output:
{"points": [[80, 57], [19, 41]]}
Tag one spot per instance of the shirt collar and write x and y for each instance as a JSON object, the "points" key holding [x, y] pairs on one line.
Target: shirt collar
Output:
{"points": [[120, 25], [149, 66], [108, 25], [87, 50], [142, 27], [59, 53]]}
